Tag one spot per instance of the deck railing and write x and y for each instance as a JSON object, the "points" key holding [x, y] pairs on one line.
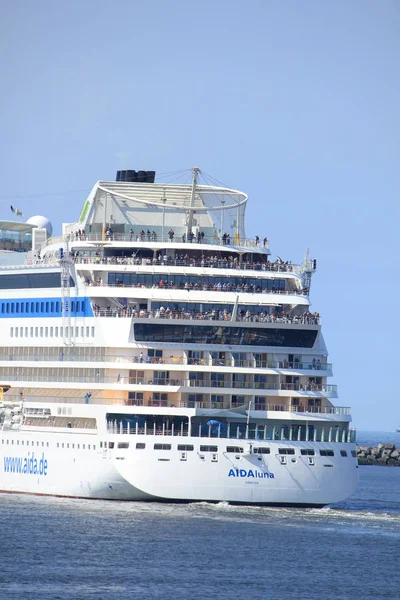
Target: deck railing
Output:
{"points": [[237, 431]]}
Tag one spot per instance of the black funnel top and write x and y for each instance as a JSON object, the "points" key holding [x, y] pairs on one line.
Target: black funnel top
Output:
{"points": [[134, 176]]}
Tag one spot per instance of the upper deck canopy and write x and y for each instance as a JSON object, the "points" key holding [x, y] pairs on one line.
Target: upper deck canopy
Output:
{"points": [[130, 208]]}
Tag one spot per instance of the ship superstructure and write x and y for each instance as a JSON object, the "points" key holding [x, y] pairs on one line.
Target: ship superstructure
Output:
{"points": [[153, 352]]}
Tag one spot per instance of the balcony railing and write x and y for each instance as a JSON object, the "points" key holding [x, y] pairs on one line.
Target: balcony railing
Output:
{"points": [[145, 362], [201, 288], [214, 315], [144, 240]]}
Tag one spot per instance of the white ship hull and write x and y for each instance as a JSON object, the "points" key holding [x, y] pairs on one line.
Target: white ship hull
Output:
{"points": [[163, 476]]}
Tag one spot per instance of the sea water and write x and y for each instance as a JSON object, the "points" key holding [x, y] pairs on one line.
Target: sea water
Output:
{"points": [[63, 549]]}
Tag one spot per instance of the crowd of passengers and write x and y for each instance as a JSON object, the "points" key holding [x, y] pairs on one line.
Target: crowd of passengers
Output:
{"points": [[208, 287], [151, 236], [211, 315], [183, 260]]}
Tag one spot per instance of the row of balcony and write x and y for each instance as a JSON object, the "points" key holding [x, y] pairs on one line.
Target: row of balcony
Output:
{"points": [[203, 263], [66, 355], [66, 377]]}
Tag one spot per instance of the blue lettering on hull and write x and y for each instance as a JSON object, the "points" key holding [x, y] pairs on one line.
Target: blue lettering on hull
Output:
{"points": [[29, 465], [251, 473]]}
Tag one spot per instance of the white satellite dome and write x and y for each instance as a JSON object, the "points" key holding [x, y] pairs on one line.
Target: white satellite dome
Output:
{"points": [[43, 223]]}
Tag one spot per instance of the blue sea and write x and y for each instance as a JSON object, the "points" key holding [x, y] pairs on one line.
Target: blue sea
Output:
{"points": [[63, 549]]}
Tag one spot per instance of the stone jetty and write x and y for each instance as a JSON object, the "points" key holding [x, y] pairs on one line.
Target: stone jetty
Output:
{"points": [[382, 454]]}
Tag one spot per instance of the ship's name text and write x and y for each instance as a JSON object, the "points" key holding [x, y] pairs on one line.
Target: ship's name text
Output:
{"points": [[250, 473]]}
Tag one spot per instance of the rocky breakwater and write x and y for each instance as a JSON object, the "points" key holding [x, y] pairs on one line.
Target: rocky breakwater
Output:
{"points": [[382, 454]]}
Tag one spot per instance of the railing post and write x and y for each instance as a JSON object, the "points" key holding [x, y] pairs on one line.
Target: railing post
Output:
{"points": [[137, 428], [330, 434], [315, 434]]}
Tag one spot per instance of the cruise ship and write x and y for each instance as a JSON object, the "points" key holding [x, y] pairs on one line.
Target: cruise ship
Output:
{"points": [[153, 352]]}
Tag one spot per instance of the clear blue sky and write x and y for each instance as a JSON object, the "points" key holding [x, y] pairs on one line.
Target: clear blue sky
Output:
{"points": [[295, 102]]}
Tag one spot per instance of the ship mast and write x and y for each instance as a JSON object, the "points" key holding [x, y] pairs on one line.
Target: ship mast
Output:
{"points": [[192, 199]]}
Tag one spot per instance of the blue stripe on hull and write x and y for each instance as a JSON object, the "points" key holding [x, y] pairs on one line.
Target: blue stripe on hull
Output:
{"points": [[42, 307]]}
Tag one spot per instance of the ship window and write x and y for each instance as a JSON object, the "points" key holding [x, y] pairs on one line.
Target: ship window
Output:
{"points": [[140, 446], [306, 452], [343, 453], [122, 445], [155, 353], [354, 454], [286, 450], [209, 334], [185, 447], [208, 448], [22, 307], [234, 449], [162, 446], [262, 450], [327, 453], [111, 445]]}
